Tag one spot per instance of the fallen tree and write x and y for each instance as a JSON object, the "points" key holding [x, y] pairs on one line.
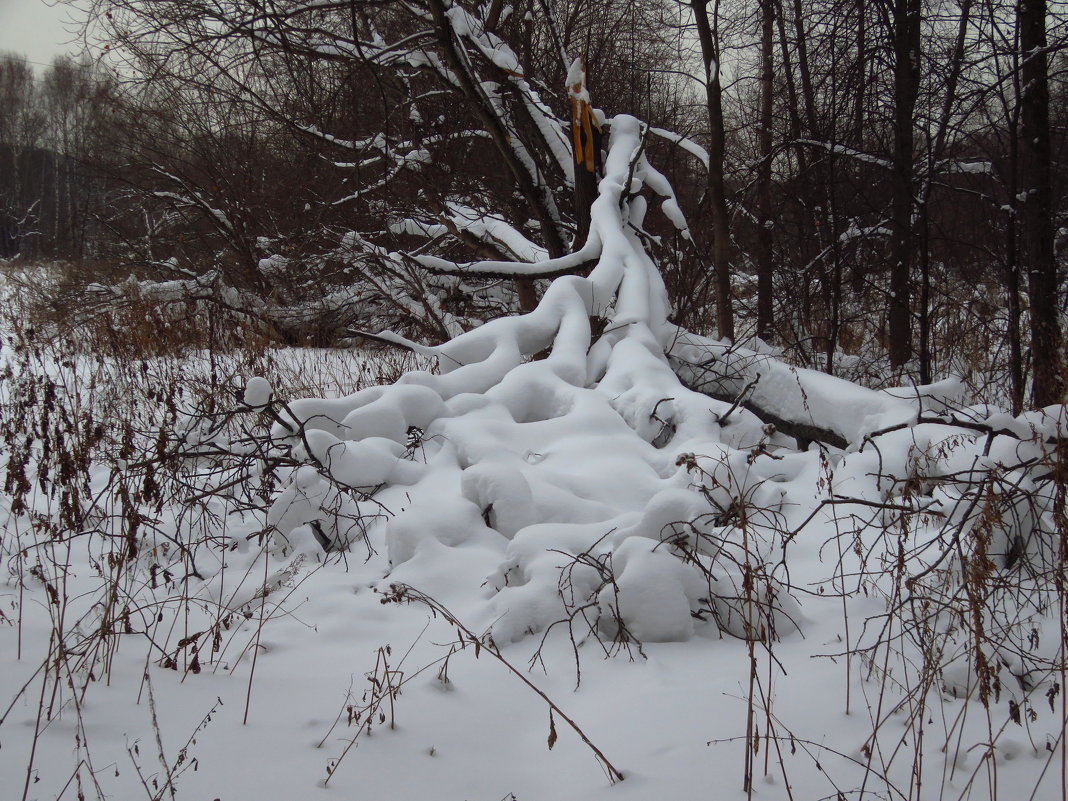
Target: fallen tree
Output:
{"points": [[592, 438]]}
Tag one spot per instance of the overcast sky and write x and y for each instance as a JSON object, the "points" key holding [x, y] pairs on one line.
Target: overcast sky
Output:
{"points": [[35, 29]]}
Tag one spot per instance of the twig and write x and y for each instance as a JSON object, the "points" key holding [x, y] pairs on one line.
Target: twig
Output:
{"points": [[403, 593]]}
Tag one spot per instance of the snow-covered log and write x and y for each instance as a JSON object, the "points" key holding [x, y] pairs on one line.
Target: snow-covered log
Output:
{"points": [[801, 403]]}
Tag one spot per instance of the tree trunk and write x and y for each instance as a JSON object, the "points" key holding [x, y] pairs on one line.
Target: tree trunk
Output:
{"points": [[792, 104], [586, 150], [1036, 210], [1012, 263], [906, 90], [808, 93], [862, 75], [765, 267], [717, 194]]}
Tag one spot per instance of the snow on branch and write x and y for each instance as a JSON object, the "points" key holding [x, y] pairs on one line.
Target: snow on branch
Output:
{"points": [[684, 142], [965, 167], [842, 150]]}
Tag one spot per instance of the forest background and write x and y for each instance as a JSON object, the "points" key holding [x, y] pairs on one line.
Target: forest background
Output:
{"points": [[872, 187]]}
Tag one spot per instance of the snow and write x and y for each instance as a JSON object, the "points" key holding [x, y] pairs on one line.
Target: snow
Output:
{"points": [[844, 150], [667, 712], [968, 167], [258, 392], [790, 393], [576, 73], [685, 143], [495, 229]]}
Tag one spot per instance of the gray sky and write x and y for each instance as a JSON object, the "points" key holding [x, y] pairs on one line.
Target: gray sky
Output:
{"points": [[36, 29]]}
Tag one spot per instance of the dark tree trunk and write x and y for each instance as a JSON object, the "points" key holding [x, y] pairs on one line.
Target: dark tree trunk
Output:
{"points": [[935, 153], [862, 74], [792, 104], [1012, 264], [804, 68], [717, 193], [765, 267], [906, 90], [1036, 210]]}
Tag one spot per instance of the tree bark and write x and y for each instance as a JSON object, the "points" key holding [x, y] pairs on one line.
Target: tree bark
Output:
{"points": [[906, 22], [1012, 269], [1036, 210], [765, 267], [935, 153], [717, 193]]}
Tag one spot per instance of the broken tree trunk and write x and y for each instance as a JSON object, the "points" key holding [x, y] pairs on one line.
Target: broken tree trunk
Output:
{"points": [[586, 149]]}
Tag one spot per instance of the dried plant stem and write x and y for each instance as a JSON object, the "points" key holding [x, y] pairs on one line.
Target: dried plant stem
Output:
{"points": [[37, 721], [256, 647], [402, 593]]}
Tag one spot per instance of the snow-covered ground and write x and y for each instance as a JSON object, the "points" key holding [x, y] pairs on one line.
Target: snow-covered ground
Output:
{"points": [[573, 512]]}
